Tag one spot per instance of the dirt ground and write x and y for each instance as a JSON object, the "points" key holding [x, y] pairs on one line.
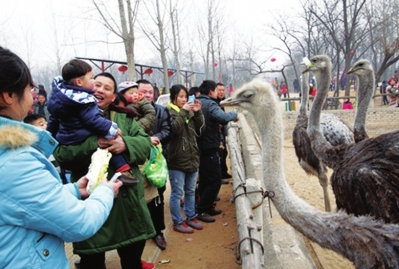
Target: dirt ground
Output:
{"points": [[214, 246]]}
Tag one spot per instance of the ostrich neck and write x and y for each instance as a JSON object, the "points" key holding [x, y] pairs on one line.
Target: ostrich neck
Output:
{"points": [[319, 143], [292, 209], [323, 79], [365, 93], [303, 217], [305, 94]]}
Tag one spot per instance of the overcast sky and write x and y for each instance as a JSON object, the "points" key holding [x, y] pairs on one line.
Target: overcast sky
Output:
{"points": [[34, 29]]}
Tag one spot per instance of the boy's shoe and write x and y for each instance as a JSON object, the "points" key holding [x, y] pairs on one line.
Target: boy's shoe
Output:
{"points": [[182, 228], [147, 265], [193, 223], [205, 217], [128, 178]]}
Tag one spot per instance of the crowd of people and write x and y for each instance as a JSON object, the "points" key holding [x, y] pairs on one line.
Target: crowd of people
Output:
{"points": [[43, 139]]}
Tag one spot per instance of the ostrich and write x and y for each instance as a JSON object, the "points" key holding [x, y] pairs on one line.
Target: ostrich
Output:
{"points": [[335, 131], [368, 243], [365, 179], [365, 74]]}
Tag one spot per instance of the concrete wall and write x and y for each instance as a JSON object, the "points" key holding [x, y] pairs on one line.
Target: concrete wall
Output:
{"points": [[379, 120]]}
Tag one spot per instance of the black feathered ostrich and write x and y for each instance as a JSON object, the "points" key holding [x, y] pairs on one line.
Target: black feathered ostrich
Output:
{"points": [[365, 179], [334, 130], [368, 243]]}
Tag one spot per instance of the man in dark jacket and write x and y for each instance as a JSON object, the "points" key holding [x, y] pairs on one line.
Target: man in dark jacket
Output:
{"points": [[208, 143], [161, 133], [223, 134]]}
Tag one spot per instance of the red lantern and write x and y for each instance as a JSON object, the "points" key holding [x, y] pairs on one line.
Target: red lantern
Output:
{"points": [[170, 73], [215, 64], [352, 52], [148, 71], [273, 59], [122, 69]]}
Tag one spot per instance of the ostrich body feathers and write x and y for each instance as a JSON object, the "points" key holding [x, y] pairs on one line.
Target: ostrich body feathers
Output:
{"points": [[365, 179]]}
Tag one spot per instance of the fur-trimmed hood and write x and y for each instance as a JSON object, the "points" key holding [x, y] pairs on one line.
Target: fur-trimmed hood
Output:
{"points": [[14, 134]]}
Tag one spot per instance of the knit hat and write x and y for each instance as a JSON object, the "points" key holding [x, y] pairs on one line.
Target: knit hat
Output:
{"points": [[126, 85]]}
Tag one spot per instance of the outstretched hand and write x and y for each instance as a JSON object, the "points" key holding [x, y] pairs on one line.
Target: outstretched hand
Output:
{"points": [[83, 181]]}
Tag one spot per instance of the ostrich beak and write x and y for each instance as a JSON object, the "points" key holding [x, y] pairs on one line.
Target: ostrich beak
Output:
{"points": [[305, 65], [229, 102], [350, 71], [303, 68]]}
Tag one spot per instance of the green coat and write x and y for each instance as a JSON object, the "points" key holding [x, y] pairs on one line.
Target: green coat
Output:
{"points": [[183, 153], [129, 220]]}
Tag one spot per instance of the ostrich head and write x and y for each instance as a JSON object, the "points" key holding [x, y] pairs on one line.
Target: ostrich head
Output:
{"points": [[317, 63], [362, 67], [364, 71], [252, 96]]}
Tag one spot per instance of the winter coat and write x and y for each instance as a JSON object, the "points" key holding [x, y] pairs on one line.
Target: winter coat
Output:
{"points": [[214, 115], [129, 220], [162, 127], [36, 109], [38, 213], [347, 105], [284, 89], [75, 115], [146, 113], [183, 152]]}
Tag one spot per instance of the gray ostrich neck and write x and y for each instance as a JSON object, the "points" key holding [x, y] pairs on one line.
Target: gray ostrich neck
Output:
{"points": [[364, 94], [305, 94], [323, 78], [295, 211]]}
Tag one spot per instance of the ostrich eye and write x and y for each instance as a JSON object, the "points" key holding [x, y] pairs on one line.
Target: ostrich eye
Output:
{"points": [[248, 95], [361, 64]]}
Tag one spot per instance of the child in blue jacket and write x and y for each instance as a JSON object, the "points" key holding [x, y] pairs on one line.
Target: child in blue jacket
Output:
{"points": [[75, 115]]}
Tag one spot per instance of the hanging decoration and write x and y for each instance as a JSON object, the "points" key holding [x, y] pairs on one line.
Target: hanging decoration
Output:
{"points": [[170, 73], [122, 69], [352, 52], [148, 71], [215, 64], [273, 59]]}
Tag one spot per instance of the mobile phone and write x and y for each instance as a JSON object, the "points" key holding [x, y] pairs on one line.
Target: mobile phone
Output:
{"points": [[191, 99]]}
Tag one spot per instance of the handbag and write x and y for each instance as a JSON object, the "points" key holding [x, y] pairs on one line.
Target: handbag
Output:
{"points": [[156, 169]]}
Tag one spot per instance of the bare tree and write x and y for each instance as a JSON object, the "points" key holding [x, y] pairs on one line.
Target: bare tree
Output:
{"points": [[342, 18], [157, 38], [124, 29], [383, 23]]}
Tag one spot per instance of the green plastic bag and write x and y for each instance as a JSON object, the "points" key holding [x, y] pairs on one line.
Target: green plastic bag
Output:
{"points": [[156, 169]]}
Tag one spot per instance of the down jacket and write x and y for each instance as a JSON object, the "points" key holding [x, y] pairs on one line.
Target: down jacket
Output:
{"points": [[183, 153], [38, 213], [129, 220], [75, 114], [214, 115]]}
